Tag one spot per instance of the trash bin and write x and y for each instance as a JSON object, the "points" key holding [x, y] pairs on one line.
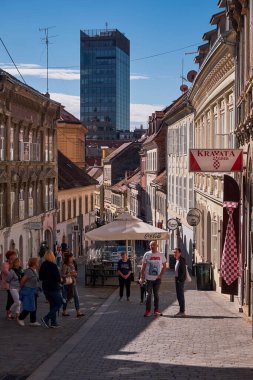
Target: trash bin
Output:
{"points": [[203, 276]]}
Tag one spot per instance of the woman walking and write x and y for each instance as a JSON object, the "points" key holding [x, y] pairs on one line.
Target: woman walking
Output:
{"points": [[10, 257], [29, 284], [69, 275], [51, 284], [124, 272], [14, 277]]}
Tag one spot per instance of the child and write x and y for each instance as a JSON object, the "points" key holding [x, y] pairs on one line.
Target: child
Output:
{"points": [[14, 277]]}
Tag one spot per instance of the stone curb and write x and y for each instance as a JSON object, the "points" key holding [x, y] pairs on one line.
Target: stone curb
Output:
{"points": [[44, 370]]}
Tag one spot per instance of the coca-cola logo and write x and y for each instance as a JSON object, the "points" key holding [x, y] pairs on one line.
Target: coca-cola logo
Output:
{"points": [[152, 236]]}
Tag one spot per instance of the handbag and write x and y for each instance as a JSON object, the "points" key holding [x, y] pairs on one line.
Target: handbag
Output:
{"points": [[68, 280], [188, 277]]}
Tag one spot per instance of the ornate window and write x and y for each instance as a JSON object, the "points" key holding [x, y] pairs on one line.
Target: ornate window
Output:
{"points": [[21, 205], [2, 143], [30, 201]]}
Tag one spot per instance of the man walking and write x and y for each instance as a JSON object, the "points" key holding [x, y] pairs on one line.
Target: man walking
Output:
{"points": [[153, 267], [180, 277]]}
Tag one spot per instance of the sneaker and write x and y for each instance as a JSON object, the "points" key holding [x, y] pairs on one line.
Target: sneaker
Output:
{"points": [[9, 316], [147, 313], [44, 322], [21, 322], [180, 314], [55, 326], [35, 324], [157, 312], [128, 299]]}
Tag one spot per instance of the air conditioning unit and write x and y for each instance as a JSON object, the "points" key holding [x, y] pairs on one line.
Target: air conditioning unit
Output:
{"points": [[75, 228]]}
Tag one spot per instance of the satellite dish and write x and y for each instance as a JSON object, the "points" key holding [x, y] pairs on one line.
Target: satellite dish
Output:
{"points": [[191, 75], [184, 88]]}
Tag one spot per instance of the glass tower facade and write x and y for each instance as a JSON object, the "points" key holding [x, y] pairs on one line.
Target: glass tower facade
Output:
{"points": [[105, 83]]}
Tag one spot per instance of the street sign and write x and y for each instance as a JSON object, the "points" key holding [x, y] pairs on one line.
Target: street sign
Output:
{"points": [[172, 224], [193, 217], [215, 160]]}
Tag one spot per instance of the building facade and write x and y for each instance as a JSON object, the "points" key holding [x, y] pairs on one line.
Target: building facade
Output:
{"points": [[180, 122], [117, 166], [76, 211], [71, 138], [105, 82], [212, 96], [28, 167], [240, 14]]}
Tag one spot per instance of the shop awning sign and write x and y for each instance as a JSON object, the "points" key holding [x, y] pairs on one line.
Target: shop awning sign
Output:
{"points": [[215, 160]]}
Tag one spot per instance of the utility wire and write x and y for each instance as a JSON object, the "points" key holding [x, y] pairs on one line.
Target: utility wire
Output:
{"points": [[12, 60], [166, 52]]}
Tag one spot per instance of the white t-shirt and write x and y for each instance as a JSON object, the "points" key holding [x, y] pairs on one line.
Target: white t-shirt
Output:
{"points": [[154, 263]]}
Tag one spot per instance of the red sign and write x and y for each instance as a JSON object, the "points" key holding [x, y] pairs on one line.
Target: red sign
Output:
{"points": [[215, 160]]}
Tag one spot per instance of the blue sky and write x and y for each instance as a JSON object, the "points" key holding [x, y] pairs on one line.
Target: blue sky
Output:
{"points": [[153, 27]]}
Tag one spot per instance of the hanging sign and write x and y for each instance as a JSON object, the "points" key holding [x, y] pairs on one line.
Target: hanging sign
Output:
{"points": [[193, 217], [215, 160], [172, 224]]}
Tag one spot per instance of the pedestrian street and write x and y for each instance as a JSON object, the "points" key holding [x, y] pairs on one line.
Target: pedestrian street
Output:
{"points": [[213, 342]]}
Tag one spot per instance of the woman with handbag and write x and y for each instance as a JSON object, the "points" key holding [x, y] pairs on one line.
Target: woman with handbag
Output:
{"points": [[125, 275], [69, 274], [51, 284]]}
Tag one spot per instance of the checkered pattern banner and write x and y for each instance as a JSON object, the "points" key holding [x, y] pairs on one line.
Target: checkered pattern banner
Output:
{"points": [[229, 262]]}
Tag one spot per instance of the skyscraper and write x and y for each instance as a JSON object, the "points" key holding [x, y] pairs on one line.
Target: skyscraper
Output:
{"points": [[105, 82]]}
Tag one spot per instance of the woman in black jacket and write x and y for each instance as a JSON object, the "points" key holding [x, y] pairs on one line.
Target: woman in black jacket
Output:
{"points": [[51, 284]]}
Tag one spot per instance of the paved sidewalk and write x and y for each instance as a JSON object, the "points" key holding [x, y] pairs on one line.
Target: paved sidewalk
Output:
{"points": [[213, 342], [23, 349]]}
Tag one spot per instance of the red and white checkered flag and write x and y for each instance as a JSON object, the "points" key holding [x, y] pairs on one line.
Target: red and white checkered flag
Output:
{"points": [[229, 262]]}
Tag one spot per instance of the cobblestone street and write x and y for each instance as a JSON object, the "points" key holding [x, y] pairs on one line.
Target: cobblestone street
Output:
{"points": [[214, 341], [23, 349]]}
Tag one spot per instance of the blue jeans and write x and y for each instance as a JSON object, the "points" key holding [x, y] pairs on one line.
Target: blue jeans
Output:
{"points": [[153, 286], [55, 301], [180, 295], [75, 296]]}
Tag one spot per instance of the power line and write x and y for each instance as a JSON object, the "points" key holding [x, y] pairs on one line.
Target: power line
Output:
{"points": [[166, 52], [12, 60]]}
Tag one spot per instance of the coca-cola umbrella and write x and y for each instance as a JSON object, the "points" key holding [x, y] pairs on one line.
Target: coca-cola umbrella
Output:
{"points": [[127, 227]]}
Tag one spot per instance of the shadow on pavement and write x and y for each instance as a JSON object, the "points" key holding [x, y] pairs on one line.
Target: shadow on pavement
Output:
{"points": [[124, 345]]}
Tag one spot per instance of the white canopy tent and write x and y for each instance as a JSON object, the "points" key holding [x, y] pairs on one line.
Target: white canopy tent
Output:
{"points": [[127, 227]]}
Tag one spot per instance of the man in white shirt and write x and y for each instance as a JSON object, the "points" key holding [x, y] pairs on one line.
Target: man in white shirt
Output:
{"points": [[153, 267]]}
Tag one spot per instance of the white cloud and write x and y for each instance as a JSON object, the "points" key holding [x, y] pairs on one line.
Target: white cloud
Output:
{"points": [[139, 112], [71, 102], [31, 69], [40, 72], [138, 77]]}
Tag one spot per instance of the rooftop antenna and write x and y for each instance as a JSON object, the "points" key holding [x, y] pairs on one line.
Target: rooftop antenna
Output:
{"points": [[46, 40]]}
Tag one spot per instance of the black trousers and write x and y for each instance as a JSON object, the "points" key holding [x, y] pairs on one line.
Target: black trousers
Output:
{"points": [[9, 301], [180, 295], [153, 287], [124, 283]]}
